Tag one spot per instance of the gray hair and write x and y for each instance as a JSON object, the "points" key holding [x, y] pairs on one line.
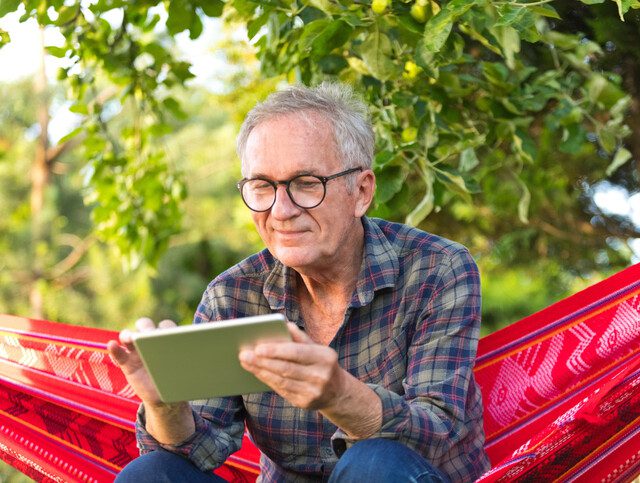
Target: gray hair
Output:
{"points": [[337, 103]]}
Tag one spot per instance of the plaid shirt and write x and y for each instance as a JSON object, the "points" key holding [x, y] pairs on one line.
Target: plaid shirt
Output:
{"points": [[410, 332]]}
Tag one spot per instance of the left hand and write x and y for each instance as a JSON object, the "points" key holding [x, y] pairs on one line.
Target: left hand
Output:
{"points": [[303, 372]]}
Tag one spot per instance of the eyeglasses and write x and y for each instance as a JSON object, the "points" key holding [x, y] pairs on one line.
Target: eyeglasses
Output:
{"points": [[305, 190]]}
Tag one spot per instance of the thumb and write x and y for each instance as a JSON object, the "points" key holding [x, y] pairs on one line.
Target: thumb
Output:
{"points": [[298, 335], [118, 354]]}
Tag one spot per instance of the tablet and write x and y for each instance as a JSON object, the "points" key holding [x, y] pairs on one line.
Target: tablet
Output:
{"points": [[200, 361]]}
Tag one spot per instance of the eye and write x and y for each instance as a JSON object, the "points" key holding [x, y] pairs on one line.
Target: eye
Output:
{"points": [[259, 185], [306, 183]]}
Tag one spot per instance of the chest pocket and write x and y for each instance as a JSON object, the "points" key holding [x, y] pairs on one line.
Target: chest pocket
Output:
{"points": [[389, 368]]}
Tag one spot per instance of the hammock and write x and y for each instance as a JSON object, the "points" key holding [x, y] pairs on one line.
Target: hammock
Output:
{"points": [[561, 392]]}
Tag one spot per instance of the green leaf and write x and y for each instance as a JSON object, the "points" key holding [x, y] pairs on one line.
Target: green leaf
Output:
{"points": [[375, 51], [195, 29], [468, 160], [524, 203], [607, 138], [79, 108], [622, 156], [174, 107], [621, 106], [625, 5], [8, 6], [325, 5], [71, 135], [332, 64], [545, 11], [438, 28], [254, 25], [180, 15], [573, 138], [66, 14], [510, 14], [322, 36], [389, 181], [422, 209], [211, 8], [601, 90], [454, 182], [434, 40], [383, 158], [4, 37], [509, 40], [59, 52]]}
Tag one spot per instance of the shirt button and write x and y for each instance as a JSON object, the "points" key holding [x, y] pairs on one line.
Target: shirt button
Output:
{"points": [[327, 452]]}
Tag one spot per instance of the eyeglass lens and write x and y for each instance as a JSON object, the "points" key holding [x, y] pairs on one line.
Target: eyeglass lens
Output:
{"points": [[305, 191]]}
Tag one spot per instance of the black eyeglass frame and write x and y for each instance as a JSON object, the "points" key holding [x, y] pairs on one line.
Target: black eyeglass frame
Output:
{"points": [[287, 183]]}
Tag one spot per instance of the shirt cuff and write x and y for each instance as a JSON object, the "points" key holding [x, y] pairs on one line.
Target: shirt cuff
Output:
{"points": [[394, 408], [193, 448]]}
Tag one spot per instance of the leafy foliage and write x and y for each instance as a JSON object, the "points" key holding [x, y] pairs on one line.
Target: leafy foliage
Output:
{"points": [[471, 100]]}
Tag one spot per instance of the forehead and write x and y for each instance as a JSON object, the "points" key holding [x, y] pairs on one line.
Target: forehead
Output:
{"points": [[290, 144]]}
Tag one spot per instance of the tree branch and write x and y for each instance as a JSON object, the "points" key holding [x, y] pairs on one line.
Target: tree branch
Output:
{"points": [[71, 260]]}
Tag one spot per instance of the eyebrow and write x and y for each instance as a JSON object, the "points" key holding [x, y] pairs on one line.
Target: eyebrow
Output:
{"points": [[295, 173]]}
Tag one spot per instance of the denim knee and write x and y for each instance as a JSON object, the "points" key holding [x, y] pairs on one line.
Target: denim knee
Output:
{"points": [[164, 467], [384, 461]]}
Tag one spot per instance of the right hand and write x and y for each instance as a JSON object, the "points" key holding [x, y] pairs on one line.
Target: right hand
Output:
{"points": [[124, 354]]}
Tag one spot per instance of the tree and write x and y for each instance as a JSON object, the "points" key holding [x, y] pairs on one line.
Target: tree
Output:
{"points": [[486, 113]]}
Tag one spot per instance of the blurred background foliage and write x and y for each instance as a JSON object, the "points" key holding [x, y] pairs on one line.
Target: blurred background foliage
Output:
{"points": [[500, 125]]}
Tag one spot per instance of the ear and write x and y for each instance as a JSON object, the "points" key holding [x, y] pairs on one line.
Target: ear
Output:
{"points": [[364, 195]]}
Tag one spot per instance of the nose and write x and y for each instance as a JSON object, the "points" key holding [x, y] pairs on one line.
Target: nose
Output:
{"points": [[283, 208]]}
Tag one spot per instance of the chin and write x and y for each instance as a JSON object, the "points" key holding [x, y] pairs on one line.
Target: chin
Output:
{"points": [[293, 256]]}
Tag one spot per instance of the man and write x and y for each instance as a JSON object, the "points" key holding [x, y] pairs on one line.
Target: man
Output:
{"points": [[377, 383]]}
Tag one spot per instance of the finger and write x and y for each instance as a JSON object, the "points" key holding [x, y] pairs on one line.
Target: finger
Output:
{"points": [[272, 372], [299, 392], [298, 335], [118, 354], [126, 337], [288, 351], [145, 324], [311, 369], [166, 324]]}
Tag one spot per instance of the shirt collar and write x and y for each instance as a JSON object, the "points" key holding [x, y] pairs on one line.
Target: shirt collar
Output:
{"points": [[379, 269], [380, 265]]}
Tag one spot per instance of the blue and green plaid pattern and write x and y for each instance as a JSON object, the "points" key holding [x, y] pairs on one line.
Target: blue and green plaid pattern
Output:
{"points": [[410, 332]]}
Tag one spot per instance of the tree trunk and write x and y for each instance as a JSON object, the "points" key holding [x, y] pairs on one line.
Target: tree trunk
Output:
{"points": [[39, 181]]}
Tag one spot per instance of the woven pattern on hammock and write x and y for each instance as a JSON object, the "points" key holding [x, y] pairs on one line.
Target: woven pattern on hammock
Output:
{"points": [[560, 388]]}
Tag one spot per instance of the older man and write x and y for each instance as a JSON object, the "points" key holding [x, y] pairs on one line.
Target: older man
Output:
{"points": [[377, 382]]}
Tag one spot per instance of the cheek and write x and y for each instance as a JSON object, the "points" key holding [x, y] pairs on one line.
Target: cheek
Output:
{"points": [[260, 222]]}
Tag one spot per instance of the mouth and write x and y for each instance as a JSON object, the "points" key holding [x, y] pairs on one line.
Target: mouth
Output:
{"points": [[288, 234]]}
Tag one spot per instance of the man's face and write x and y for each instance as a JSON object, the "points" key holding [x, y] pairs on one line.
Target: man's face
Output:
{"points": [[304, 239]]}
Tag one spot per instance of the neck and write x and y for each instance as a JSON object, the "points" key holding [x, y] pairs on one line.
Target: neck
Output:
{"points": [[336, 281]]}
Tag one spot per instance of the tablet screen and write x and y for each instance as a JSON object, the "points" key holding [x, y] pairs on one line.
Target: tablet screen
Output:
{"points": [[200, 361]]}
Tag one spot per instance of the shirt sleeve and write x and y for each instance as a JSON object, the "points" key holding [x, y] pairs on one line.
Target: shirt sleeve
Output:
{"points": [[433, 413], [219, 421], [219, 430]]}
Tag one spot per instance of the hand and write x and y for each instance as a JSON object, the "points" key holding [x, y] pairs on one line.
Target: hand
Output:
{"points": [[308, 376], [124, 354], [304, 373]]}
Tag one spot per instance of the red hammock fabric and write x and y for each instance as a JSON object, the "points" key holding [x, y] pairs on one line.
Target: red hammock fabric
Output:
{"points": [[561, 392]]}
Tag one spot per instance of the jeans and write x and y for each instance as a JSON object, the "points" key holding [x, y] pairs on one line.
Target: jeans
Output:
{"points": [[369, 461], [384, 461], [164, 467]]}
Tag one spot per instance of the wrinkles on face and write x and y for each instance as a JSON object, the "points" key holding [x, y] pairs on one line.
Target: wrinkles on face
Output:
{"points": [[314, 239]]}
